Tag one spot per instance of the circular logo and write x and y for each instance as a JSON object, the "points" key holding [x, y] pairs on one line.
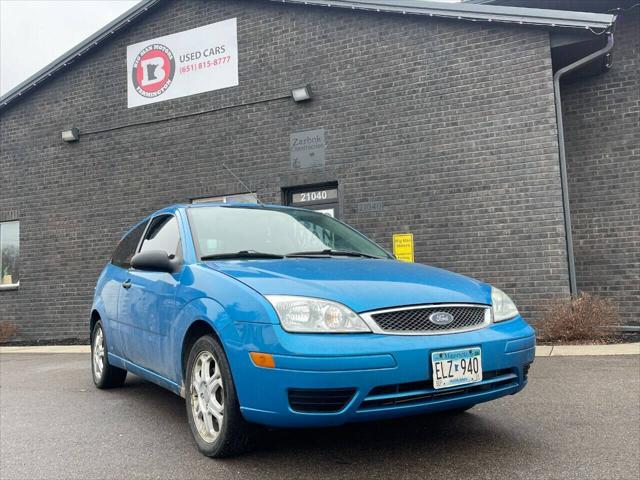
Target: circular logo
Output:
{"points": [[441, 318], [153, 70]]}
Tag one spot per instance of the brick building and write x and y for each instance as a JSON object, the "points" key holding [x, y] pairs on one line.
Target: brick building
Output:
{"points": [[434, 119]]}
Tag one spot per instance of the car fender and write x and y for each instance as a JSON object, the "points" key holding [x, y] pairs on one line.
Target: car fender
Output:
{"points": [[199, 309], [99, 308]]}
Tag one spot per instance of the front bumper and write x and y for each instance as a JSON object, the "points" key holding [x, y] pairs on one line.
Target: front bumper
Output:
{"points": [[381, 376]]}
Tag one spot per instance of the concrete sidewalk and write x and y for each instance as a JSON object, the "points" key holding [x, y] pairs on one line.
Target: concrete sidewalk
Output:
{"points": [[541, 351], [48, 349], [587, 350]]}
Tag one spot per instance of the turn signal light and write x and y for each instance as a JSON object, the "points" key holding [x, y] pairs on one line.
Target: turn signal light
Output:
{"points": [[264, 360]]}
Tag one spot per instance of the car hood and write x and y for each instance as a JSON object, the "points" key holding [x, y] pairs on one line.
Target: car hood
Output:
{"points": [[361, 284]]}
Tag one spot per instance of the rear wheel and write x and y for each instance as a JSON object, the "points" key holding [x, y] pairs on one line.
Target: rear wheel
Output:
{"points": [[212, 405], [104, 375]]}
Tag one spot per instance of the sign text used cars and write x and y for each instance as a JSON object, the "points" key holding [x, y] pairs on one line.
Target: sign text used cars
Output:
{"points": [[185, 63]]}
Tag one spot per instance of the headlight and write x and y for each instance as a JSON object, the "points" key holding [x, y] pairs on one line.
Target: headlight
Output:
{"points": [[312, 315], [503, 307]]}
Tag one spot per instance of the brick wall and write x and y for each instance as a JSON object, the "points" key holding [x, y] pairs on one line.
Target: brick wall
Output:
{"points": [[449, 124], [602, 124], [602, 128]]}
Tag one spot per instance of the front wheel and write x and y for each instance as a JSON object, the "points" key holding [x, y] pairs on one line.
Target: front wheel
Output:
{"points": [[104, 375], [212, 405]]}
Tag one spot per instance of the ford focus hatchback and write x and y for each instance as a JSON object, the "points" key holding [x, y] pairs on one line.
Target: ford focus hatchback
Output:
{"points": [[289, 318]]}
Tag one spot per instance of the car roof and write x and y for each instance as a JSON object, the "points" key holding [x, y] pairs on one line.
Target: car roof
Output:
{"points": [[171, 209], [187, 206]]}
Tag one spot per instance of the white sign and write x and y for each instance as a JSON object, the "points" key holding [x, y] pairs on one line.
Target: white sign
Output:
{"points": [[184, 63]]}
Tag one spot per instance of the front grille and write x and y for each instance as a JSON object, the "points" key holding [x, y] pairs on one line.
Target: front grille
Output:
{"points": [[320, 400], [416, 319], [423, 392]]}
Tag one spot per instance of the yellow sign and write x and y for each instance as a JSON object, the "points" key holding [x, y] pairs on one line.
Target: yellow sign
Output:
{"points": [[403, 246]]}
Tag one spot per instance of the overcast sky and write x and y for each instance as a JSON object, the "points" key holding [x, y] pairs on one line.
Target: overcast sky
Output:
{"points": [[34, 33]]}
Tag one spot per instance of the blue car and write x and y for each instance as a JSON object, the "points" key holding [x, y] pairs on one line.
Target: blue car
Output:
{"points": [[287, 317]]}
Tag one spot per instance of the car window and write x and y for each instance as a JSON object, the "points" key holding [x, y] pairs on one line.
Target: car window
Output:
{"points": [[126, 248], [163, 234], [221, 230]]}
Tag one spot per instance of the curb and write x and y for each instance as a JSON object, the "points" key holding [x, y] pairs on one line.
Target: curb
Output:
{"points": [[587, 350], [48, 349], [541, 351]]}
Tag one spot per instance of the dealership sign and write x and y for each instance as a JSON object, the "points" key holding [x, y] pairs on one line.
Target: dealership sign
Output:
{"points": [[184, 63]]}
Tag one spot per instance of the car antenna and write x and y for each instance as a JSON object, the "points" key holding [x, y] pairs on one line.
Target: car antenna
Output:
{"points": [[242, 183]]}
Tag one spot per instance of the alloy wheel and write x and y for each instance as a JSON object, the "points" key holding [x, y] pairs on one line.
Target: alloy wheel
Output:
{"points": [[207, 396], [98, 354]]}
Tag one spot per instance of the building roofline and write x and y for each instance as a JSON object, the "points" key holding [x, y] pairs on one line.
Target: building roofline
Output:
{"points": [[78, 51], [478, 1], [457, 11], [474, 12]]}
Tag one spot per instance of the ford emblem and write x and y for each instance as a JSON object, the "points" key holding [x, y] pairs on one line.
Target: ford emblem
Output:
{"points": [[441, 318]]}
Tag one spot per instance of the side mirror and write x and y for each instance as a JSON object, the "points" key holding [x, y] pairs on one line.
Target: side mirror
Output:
{"points": [[154, 261]]}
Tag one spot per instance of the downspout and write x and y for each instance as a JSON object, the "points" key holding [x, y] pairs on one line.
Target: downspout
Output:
{"points": [[571, 262]]}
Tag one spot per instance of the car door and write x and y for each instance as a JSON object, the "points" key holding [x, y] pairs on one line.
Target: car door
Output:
{"points": [[116, 274], [147, 301]]}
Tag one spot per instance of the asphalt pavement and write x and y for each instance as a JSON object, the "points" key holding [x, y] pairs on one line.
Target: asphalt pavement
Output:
{"points": [[579, 418]]}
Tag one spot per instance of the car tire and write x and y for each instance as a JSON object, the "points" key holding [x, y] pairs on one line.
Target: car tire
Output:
{"points": [[104, 375], [213, 410]]}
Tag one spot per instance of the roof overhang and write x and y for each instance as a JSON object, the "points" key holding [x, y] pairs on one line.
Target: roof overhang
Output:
{"points": [[594, 22], [474, 12]]}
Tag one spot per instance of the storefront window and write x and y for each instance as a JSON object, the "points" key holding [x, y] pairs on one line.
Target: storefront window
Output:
{"points": [[9, 250]]}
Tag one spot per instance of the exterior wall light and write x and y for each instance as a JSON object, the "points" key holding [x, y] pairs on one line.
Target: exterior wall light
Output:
{"points": [[302, 94], [72, 135]]}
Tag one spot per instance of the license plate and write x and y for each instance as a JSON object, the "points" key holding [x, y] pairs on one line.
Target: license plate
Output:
{"points": [[452, 368]]}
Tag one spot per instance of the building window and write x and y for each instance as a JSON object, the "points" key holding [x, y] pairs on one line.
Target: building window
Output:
{"points": [[9, 250]]}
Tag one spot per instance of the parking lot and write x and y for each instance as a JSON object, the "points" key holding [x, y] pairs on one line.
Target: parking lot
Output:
{"points": [[578, 419]]}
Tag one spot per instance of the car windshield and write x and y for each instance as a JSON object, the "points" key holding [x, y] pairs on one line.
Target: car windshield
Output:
{"points": [[252, 232]]}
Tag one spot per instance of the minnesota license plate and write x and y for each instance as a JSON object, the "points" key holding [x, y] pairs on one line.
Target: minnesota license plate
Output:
{"points": [[452, 368]]}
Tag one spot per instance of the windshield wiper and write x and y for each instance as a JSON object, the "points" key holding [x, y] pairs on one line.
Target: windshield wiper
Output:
{"points": [[332, 253], [240, 254]]}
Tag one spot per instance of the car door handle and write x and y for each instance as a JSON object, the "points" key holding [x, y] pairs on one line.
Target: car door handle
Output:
{"points": [[126, 284]]}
